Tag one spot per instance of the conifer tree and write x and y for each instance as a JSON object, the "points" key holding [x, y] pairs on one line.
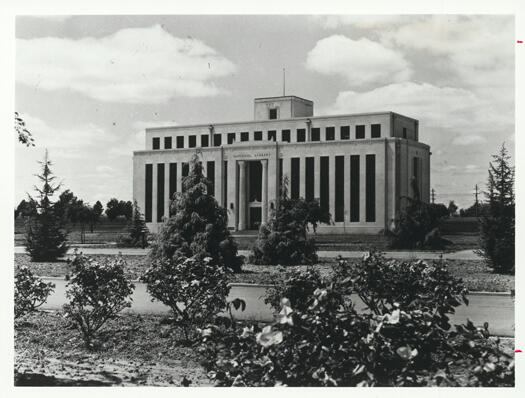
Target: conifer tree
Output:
{"points": [[137, 230], [497, 224], [198, 226], [45, 238]]}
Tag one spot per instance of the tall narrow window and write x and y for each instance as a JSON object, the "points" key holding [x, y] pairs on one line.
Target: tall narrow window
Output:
{"points": [[231, 138], [416, 175], [210, 175], [205, 141], [245, 136], [160, 191], [359, 132], [225, 185], [185, 171], [316, 134], [370, 188], [273, 113], [309, 178], [149, 192], [376, 131], [405, 132], [192, 141], [217, 139], [324, 200], [285, 135], [156, 143], [345, 132], [272, 135], [339, 188], [354, 188], [173, 180], [257, 135], [330, 134], [180, 142], [167, 142], [301, 135], [295, 178]]}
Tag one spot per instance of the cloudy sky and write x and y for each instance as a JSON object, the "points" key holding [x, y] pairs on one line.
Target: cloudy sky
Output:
{"points": [[87, 86]]}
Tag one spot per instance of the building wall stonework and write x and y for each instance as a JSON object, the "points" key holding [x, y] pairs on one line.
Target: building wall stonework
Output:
{"points": [[400, 163]]}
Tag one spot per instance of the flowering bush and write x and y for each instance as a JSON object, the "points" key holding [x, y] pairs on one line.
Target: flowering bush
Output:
{"points": [[319, 339], [30, 291], [195, 290], [97, 292]]}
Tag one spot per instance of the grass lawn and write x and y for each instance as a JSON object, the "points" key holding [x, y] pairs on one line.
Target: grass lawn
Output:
{"points": [[477, 276], [135, 350]]}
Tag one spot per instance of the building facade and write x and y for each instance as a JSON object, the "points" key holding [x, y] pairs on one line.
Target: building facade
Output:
{"points": [[358, 166]]}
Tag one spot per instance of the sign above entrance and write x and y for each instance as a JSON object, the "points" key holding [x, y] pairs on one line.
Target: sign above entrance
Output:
{"points": [[251, 155]]}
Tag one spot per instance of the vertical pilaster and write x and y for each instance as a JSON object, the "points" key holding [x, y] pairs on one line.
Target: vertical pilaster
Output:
{"points": [[232, 204], [179, 177], [154, 197], [331, 185], [264, 209], [347, 189], [242, 195], [317, 177], [167, 190]]}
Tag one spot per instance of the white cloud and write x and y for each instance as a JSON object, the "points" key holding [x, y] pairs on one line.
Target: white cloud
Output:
{"points": [[361, 21], [136, 65], [438, 107], [360, 62], [469, 139]]}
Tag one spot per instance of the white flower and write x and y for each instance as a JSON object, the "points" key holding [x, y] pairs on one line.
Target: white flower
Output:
{"points": [[285, 316], [247, 332], [267, 338], [392, 318], [407, 353]]}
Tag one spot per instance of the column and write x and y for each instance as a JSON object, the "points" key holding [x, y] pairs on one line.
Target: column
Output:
{"points": [[317, 178], [264, 208], [331, 185], [347, 189], [179, 176], [242, 195], [154, 197], [302, 176]]}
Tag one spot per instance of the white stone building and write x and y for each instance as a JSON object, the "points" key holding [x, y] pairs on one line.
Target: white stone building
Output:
{"points": [[359, 166]]}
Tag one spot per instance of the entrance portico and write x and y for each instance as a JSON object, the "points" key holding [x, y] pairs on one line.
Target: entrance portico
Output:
{"points": [[253, 193]]}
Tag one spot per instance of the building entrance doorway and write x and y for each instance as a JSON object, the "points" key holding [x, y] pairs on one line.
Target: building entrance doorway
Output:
{"points": [[255, 217], [254, 194]]}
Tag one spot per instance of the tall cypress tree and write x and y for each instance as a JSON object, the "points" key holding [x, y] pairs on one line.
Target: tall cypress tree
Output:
{"points": [[497, 224], [45, 236]]}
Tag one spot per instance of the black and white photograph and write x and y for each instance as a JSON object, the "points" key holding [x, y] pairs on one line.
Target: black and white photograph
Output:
{"points": [[262, 199]]}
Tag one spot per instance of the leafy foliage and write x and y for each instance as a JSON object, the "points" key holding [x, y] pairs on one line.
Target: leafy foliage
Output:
{"points": [[97, 292], [195, 289], [319, 339], [30, 291], [45, 238], [418, 226], [284, 240], [137, 231], [116, 208], [497, 225], [198, 226], [23, 134], [26, 208]]}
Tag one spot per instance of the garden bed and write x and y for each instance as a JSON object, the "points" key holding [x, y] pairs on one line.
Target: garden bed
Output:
{"points": [[134, 350], [475, 273]]}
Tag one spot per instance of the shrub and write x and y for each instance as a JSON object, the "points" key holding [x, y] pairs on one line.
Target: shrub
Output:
{"points": [[319, 339], [97, 292], [198, 226], [418, 226], [284, 240], [497, 225], [30, 291], [194, 289]]}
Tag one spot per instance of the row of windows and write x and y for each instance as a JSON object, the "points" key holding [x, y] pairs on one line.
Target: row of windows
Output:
{"points": [[271, 135], [172, 185], [340, 177]]}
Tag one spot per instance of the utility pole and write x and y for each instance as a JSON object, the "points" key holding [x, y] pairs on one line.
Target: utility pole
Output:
{"points": [[433, 195], [476, 202]]}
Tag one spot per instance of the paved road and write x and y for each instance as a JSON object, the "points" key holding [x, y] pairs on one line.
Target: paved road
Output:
{"points": [[423, 255], [497, 309]]}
